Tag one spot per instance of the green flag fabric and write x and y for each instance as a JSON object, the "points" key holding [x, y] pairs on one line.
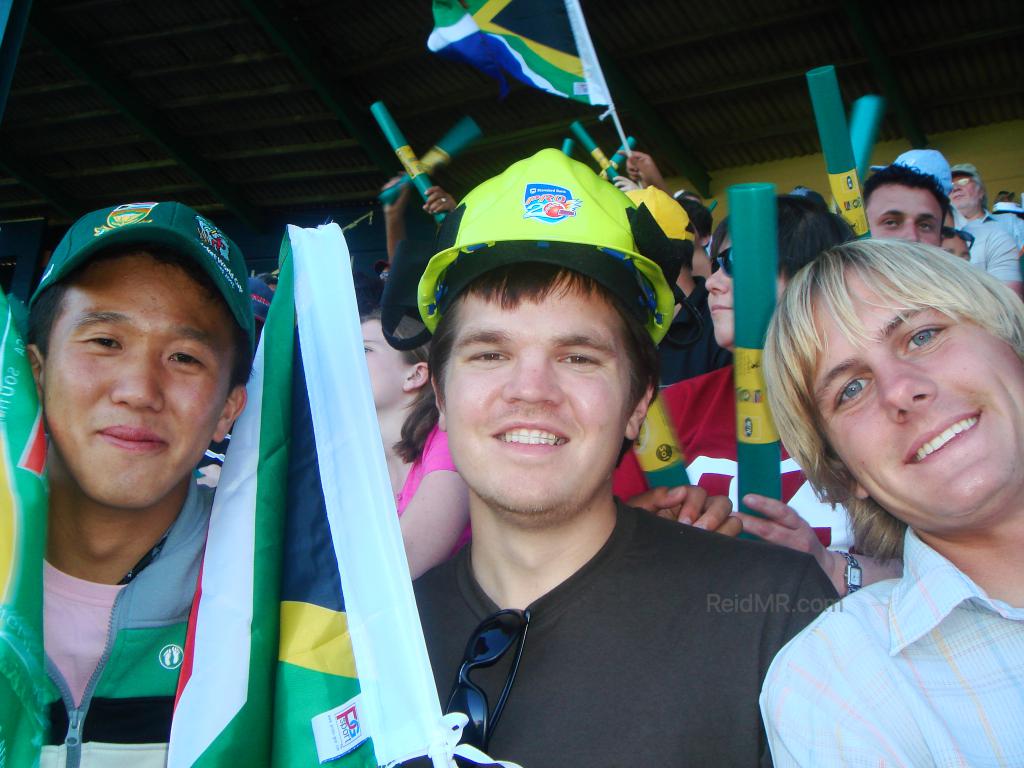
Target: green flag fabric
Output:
{"points": [[23, 503], [304, 581]]}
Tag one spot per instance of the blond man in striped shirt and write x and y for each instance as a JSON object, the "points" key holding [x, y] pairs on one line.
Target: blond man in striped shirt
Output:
{"points": [[896, 377]]}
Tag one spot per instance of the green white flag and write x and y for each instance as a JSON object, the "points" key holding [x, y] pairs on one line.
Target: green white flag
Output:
{"points": [[305, 580], [23, 504]]}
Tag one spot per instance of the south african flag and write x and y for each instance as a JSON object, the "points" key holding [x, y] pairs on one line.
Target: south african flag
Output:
{"points": [[305, 645], [541, 43], [23, 502]]}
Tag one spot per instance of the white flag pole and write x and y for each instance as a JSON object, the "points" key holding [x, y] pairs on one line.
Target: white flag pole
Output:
{"points": [[597, 88]]}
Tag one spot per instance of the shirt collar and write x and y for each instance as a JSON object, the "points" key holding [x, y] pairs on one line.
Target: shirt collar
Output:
{"points": [[930, 589], [960, 221]]}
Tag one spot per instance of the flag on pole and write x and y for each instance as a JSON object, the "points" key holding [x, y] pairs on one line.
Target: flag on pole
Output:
{"points": [[305, 644], [23, 504], [224, 705], [316, 671], [543, 45]]}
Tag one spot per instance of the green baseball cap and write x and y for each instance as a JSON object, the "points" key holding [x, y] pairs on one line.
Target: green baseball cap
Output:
{"points": [[172, 225]]}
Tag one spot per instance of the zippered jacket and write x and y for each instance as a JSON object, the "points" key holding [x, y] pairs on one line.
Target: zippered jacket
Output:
{"points": [[125, 715]]}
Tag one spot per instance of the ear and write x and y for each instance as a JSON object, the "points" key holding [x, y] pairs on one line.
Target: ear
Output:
{"points": [[35, 359], [417, 377], [439, 401], [639, 413], [232, 409], [859, 491]]}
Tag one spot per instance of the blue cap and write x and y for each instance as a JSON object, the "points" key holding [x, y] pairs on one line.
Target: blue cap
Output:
{"points": [[261, 296], [930, 162]]}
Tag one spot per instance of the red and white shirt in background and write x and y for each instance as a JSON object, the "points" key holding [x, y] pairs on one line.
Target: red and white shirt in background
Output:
{"points": [[703, 412]]}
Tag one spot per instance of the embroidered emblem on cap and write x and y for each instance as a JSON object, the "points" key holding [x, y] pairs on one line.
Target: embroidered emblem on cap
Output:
{"points": [[217, 246], [549, 203], [123, 215]]}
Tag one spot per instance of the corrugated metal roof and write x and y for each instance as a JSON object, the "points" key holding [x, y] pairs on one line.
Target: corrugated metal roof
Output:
{"points": [[727, 78]]}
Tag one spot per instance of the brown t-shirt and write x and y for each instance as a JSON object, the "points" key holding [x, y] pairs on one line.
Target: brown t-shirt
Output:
{"points": [[652, 654]]}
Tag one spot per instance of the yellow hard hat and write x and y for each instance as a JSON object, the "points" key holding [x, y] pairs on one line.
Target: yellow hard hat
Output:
{"points": [[670, 215], [549, 209]]}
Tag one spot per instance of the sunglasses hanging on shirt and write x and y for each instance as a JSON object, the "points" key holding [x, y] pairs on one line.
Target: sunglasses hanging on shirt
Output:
{"points": [[490, 641]]}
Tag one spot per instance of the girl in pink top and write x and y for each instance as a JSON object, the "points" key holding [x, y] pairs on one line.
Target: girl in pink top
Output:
{"points": [[432, 499]]}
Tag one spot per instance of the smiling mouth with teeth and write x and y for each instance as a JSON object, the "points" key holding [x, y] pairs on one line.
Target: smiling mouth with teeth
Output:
{"points": [[532, 437], [940, 440]]}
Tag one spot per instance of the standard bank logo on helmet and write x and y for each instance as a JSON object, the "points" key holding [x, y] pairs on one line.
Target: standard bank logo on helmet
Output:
{"points": [[549, 203]]}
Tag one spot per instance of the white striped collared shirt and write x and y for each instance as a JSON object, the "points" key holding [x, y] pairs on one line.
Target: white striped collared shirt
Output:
{"points": [[926, 670]]}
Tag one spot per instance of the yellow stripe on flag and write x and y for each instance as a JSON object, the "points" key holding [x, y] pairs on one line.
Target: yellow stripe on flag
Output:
{"points": [[8, 527], [316, 638], [564, 61]]}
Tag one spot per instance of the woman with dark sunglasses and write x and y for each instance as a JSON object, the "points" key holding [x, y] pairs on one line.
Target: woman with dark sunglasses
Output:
{"points": [[703, 410]]}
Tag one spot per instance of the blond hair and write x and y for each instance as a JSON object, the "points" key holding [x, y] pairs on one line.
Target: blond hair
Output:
{"points": [[905, 276]]}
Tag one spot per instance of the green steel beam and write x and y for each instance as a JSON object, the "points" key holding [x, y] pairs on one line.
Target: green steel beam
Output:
{"points": [[287, 36], [678, 39], [13, 20], [797, 73], [278, 150], [553, 131], [885, 74], [165, 32], [85, 64], [41, 185], [655, 129]]}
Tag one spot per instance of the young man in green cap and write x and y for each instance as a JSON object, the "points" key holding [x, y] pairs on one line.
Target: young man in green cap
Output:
{"points": [[140, 337], [579, 631]]}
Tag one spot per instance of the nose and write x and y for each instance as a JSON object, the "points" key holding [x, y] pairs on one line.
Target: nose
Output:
{"points": [[718, 282], [908, 231], [904, 389], [138, 382], [533, 379]]}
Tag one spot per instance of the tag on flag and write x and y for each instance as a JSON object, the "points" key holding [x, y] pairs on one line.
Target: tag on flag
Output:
{"points": [[338, 731]]}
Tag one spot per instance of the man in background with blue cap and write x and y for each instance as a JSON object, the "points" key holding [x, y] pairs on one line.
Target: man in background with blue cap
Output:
{"points": [[140, 339], [913, 198], [908, 200]]}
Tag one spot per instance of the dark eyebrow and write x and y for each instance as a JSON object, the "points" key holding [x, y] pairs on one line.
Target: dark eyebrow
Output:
{"points": [[92, 318], [186, 331], [483, 337], [844, 366], [583, 340], [190, 332]]}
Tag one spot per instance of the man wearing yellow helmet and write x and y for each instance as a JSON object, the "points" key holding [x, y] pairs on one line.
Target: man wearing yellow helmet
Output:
{"points": [[645, 637]]}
